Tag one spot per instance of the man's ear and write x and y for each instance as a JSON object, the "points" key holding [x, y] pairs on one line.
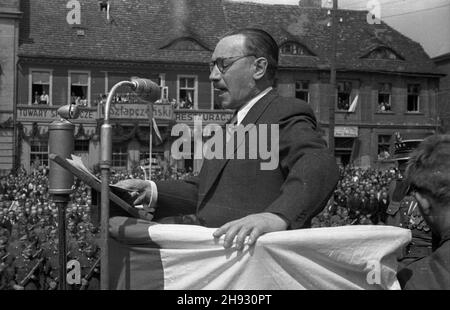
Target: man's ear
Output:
{"points": [[424, 202], [261, 65]]}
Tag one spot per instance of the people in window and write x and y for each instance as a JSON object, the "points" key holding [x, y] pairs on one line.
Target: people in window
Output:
{"points": [[36, 98], [384, 154], [44, 99], [174, 103], [385, 106], [343, 103], [73, 98]]}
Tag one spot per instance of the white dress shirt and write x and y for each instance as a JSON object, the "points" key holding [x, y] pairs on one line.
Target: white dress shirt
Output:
{"points": [[243, 111]]}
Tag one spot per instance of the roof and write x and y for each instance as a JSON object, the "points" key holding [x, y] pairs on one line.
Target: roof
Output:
{"points": [[186, 31], [443, 57], [137, 30]]}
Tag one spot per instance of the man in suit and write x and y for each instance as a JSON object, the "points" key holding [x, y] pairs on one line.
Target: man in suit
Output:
{"points": [[236, 195], [429, 177]]}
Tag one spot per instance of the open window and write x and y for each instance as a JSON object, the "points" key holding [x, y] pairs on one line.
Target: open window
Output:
{"points": [[40, 91], [413, 99], [294, 48], [384, 97], [79, 88]]}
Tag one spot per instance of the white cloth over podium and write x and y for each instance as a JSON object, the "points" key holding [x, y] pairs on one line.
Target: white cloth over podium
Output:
{"points": [[348, 257]]}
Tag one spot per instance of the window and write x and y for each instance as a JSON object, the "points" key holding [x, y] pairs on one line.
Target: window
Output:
{"points": [[384, 144], [144, 156], [164, 90], [413, 98], [39, 153], [157, 158], [79, 88], [384, 97], [81, 146], [187, 92], [302, 90], [185, 44], [292, 48], [119, 155], [383, 53], [343, 98], [40, 86]]}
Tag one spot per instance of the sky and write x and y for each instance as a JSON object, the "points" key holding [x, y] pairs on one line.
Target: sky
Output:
{"points": [[424, 21]]}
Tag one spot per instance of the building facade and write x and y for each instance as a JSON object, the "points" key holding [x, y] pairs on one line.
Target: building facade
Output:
{"points": [[10, 15], [75, 51], [443, 63]]}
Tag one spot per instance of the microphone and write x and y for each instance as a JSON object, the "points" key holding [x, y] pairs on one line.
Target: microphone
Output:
{"points": [[146, 89], [70, 111]]}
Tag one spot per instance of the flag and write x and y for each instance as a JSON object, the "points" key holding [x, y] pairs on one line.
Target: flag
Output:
{"points": [[147, 255], [354, 104], [108, 16], [156, 131]]}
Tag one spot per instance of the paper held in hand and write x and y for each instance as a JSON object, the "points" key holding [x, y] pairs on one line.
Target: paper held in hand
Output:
{"points": [[77, 162]]}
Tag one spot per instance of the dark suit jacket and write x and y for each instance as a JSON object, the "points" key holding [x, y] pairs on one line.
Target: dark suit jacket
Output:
{"points": [[229, 189], [429, 273]]}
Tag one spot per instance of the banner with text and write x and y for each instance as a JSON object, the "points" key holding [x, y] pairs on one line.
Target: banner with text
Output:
{"points": [[138, 111]]}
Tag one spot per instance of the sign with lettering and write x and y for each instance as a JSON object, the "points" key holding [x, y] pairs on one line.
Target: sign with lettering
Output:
{"points": [[30, 113], [207, 116], [346, 131], [138, 111]]}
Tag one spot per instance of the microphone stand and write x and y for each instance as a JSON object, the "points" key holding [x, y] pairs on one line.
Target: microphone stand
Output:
{"points": [[143, 86], [150, 147], [105, 167]]}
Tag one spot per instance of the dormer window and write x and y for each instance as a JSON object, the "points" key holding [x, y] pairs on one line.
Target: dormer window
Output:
{"points": [[293, 48], [185, 44], [383, 53]]}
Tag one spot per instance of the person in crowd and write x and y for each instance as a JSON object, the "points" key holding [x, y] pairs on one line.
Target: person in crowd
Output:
{"points": [[372, 208], [382, 206], [428, 175], [403, 211]]}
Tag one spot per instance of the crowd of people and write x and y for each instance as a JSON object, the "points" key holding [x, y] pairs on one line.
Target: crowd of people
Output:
{"points": [[29, 230], [29, 221], [361, 197]]}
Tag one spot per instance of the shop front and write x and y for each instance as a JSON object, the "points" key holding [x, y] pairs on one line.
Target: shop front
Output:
{"points": [[346, 144], [131, 135]]}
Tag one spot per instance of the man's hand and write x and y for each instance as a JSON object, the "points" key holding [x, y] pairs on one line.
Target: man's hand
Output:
{"points": [[142, 188], [253, 226]]}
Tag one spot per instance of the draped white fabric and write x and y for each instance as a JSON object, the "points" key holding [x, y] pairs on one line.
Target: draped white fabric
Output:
{"points": [[348, 257]]}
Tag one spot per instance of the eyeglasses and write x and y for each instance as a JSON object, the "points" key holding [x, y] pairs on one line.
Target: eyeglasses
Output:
{"points": [[224, 63]]}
